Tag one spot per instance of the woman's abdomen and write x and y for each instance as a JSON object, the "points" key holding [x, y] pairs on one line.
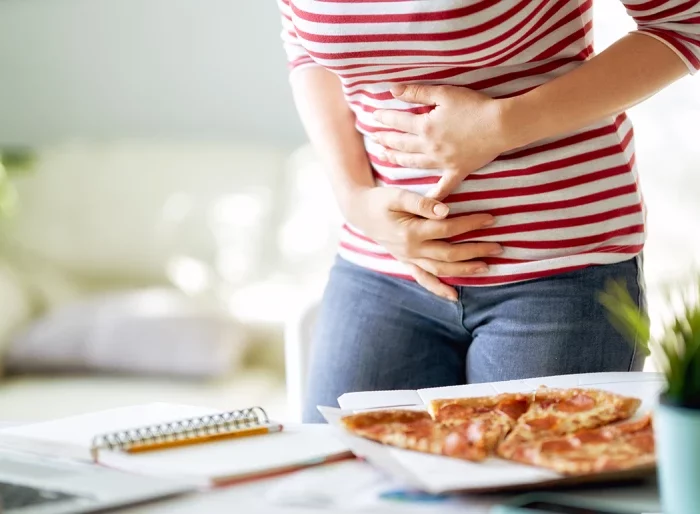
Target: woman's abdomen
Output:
{"points": [[559, 205]]}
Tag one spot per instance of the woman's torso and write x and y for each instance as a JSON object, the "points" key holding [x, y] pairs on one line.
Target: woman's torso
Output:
{"points": [[560, 204]]}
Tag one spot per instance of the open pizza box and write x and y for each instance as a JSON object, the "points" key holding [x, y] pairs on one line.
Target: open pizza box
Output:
{"points": [[437, 474]]}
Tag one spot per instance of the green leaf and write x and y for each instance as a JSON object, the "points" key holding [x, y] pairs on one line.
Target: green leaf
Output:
{"points": [[625, 315], [17, 160]]}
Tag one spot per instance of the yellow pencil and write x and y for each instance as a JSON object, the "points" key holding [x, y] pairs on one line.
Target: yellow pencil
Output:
{"points": [[175, 443]]}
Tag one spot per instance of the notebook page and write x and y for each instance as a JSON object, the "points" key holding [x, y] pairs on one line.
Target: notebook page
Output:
{"points": [[296, 445], [72, 437]]}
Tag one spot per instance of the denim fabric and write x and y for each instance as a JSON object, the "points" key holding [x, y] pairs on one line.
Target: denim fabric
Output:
{"points": [[378, 332]]}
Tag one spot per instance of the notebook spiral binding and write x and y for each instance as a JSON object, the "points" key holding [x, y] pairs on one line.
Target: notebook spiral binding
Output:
{"points": [[181, 430]]}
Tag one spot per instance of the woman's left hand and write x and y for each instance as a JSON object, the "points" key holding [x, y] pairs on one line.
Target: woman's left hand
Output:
{"points": [[462, 133]]}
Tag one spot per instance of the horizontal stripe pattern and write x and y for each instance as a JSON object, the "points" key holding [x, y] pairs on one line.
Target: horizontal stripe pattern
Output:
{"points": [[560, 204]]}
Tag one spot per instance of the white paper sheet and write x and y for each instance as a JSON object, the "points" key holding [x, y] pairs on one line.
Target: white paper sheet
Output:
{"points": [[436, 474]]}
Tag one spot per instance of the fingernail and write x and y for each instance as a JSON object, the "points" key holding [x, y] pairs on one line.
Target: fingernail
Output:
{"points": [[450, 297], [398, 89], [441, 209], [496, 251], [481, 270], [382, 156], [488, 222]]}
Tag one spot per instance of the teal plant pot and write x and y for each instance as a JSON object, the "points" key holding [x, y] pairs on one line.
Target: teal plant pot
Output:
{"points": [[677, 434]]}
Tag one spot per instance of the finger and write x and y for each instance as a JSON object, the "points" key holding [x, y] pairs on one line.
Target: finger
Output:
{"points": [[417, 93], [400, 120], [432, 283], [457, 252], [404, 142], [413, 203], [444, 229], [410, 160], [448, 183], [451, 269]]}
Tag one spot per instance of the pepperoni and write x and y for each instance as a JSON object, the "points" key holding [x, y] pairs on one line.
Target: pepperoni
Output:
{"points": [[544, 404], [454, 410], [545, 423], [375, 430], [593, 437], [513, 408], [475, 432], [455, 444], [635, 426], [643, 441], [557, 446], [578, 403], [524, 454], [419, 429]]}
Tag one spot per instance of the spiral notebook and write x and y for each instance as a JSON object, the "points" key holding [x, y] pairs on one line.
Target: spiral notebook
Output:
{"points": [[188, 443]]}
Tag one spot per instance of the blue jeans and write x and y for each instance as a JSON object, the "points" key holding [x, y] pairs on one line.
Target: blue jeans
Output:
{"points": [[377, 332]]}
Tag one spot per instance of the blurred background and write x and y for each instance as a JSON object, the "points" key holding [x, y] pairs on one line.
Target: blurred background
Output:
{"points": [[163, 225]]}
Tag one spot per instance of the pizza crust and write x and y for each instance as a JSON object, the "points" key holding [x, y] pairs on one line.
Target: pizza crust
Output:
{"points": [[512, 405]]}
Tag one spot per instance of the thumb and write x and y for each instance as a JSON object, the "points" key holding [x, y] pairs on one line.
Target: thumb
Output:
{"points": [[416, 93], [447, 184], [413, 203]]}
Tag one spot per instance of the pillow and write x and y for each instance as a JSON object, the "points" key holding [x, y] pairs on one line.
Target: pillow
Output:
{"points": [[146, 332]]}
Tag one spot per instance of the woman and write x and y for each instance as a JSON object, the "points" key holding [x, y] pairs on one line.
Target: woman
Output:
{"points": [[481, 156]]}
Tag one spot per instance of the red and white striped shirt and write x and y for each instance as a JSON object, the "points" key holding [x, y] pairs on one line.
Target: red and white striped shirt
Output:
{"points": [[560, 204]]}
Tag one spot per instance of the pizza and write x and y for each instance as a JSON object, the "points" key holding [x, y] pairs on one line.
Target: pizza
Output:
{"points": [[495, 414], [622, 446], [555, 412], [572, 431], [416, 430]]}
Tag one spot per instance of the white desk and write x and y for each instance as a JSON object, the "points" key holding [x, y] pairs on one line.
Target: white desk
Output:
{"points": [[251, 498]]}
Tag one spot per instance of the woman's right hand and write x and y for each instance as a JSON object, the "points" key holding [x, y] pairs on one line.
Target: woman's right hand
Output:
{"points": [[412, 228]]}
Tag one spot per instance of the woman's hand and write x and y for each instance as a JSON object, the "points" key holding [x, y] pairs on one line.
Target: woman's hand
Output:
{"points": [[410, 227], [463, 133]]}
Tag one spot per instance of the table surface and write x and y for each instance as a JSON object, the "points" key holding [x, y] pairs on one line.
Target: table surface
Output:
{"points": [[256, 497]]}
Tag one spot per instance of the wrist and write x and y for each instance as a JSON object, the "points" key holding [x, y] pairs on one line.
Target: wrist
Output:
{"points": [[522, 120], [349, 199]]}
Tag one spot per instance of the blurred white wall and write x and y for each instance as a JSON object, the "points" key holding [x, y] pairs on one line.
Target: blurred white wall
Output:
{"points": [[105, 69]]}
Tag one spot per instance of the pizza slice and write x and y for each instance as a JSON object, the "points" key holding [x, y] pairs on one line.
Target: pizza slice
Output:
{"points": [[495, 415], [556, 412], [416, 430], [622, 446]]}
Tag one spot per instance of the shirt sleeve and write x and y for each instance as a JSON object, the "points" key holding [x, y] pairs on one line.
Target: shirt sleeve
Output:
{"points": [[675, 23], [297, 56]]}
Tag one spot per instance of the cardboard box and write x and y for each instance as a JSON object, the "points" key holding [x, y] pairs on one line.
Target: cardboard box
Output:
{"points": [[438, 474]]}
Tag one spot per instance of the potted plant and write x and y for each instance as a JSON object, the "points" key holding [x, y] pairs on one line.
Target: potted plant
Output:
{"points": [[676, 353]]}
